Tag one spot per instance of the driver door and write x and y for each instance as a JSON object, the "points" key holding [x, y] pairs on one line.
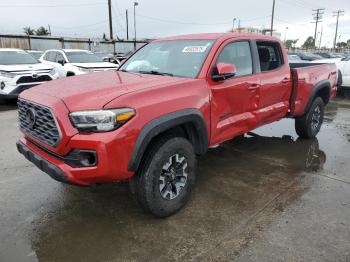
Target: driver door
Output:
{"points": [[234, 100]]}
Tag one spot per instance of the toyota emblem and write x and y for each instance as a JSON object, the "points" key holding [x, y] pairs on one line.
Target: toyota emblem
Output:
{"points": [[35, 75], [31, 117]]}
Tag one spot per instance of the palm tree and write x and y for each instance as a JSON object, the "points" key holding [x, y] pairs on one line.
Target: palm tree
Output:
{"points": [[28, 31], [42, 31]]}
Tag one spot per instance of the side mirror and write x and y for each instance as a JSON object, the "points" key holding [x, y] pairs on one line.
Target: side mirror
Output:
{"points": [[62, 62], [105, 59], [224, 71]]}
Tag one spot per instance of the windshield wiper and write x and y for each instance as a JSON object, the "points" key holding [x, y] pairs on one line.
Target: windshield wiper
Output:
{"points": [[153, 72]]}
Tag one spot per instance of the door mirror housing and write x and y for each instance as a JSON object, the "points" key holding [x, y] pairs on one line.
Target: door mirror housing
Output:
{"points": [[224, 71], [62, 62]]}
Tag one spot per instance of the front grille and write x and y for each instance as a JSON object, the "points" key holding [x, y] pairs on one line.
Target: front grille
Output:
{"points": [[31, 79], [43, 126]]}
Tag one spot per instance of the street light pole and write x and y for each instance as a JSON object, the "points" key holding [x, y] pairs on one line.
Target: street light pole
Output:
{"points": [[233, 24], [285, 35], [135, 4]]}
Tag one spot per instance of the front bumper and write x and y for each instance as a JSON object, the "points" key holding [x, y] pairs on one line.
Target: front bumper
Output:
{"points": [[12, 87], [112, 155], [44, 165]]}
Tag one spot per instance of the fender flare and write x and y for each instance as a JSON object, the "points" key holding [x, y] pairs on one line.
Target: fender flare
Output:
{"points": [[164, 123], [318, 87]]}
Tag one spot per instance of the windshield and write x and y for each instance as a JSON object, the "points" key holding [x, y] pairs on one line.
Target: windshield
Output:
{"points": [[182, 58], [36, 55], [83, 57], [16, 58]]}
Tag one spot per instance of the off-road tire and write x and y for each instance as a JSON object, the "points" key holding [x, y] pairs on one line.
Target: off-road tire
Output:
{"points": [[146, 183], [310, 124]]}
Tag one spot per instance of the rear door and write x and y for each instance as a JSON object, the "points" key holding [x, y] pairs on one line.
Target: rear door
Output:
{"points": [[233, 100], [275, 79]]}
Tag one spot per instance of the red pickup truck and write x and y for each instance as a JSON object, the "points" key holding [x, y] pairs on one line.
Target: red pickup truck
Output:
{"points": [[167, 104]]}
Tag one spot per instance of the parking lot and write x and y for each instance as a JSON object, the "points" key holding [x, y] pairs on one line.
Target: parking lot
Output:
{"points": [[266, 196]]}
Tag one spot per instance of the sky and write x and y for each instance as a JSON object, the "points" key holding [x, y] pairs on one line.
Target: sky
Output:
{"points": [[157, 18]]}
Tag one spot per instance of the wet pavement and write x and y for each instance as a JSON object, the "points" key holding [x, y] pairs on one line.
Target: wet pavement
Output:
{"points": [[267, 196]]}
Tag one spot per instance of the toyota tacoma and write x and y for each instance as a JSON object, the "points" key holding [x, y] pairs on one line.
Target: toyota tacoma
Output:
{"points": [[167, 104]]}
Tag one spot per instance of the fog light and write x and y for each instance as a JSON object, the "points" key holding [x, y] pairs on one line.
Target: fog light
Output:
{"points": [[87, 158], [2, 85]]}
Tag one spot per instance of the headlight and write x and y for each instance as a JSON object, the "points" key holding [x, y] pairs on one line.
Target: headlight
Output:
{"points": [[85, 70], [7, 74], [52, 72], [101, 120]]}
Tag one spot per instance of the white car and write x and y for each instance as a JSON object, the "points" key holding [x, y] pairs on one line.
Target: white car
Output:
{"points": [[19, 71], [70, 62], [343, 65]]}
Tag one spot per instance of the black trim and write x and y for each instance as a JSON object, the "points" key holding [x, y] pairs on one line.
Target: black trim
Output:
{"points": [[294, 91], [320, 85], [44, 165], [301, 65], [255, 56], [72, 158], [164, 123]]}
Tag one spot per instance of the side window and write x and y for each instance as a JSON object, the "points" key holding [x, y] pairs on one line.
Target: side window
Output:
{"points": [[46, 56], [239, 54], [270, 55], [50, 56], [60, 57]]}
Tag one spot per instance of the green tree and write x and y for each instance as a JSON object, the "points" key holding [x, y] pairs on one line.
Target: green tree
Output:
{"points": [[42, 31], [28, 31], [309, 43], [342, 45], [290, 43]]}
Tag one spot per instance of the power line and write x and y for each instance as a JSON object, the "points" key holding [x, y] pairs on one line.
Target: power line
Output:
{"points": [[337, 14], [181, 22], [81, 26], [317, 17]]}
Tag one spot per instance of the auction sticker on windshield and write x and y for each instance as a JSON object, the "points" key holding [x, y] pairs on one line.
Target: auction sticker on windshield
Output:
{"points": [[194, 49]]}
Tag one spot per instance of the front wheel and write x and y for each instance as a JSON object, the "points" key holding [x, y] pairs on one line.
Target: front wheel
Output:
{"points": [[164, 182], [310, 124]]}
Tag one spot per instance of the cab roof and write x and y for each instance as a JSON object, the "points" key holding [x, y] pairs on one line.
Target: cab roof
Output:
{"points": [[216, 36]]}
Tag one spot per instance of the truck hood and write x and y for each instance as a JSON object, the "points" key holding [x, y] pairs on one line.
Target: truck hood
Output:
{"points": [[95, 65], [95, 90], [26, 67]]}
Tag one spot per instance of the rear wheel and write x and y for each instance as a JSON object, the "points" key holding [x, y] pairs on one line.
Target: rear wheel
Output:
{"points": [[310, 124], [163, 184]]}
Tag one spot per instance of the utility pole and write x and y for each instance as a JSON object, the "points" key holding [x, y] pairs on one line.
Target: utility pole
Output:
{"points": [[317, 17], [337, 14], [135, 4], [127, 24], [49, 30], [272, 16], [239, 25], [110, 19]]}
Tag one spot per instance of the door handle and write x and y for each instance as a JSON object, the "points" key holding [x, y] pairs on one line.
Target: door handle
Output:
{"points": [[253, 87], [285, 80]]}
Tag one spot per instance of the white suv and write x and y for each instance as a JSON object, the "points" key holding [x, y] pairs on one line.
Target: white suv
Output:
{"points": [[19, 71], [69, 62]]}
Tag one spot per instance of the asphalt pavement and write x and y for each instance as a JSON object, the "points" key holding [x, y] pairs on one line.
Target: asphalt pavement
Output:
{"points": [[268, 196]]}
